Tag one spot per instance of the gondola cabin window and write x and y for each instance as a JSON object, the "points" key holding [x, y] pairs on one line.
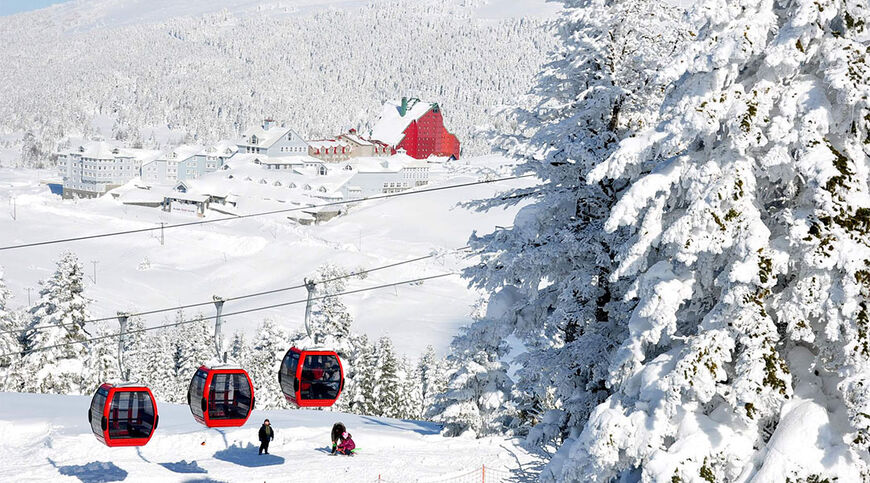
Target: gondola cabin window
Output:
{"points": [[320, 378], [98, 404], [229, 397], [132, 416]]}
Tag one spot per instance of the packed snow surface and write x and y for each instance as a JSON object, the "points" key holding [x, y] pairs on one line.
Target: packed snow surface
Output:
{"points": [[135, 273], [47, 437]]}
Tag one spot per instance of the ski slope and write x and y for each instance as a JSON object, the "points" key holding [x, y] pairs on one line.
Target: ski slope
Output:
{"points": [[48, 438], [135, 272]]}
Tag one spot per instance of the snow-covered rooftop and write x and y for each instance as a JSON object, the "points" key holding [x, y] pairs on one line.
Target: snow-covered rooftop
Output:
{"points": [[354, 138], [326, 143], [221, 148], [182, 152], [267, 134], [391, 126], [97, 150], [388, 164]]}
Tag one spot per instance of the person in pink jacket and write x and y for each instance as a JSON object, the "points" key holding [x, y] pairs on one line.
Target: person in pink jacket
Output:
{"points": [[346, 446]]}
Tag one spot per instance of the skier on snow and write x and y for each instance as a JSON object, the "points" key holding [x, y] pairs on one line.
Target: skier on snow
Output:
{"points": [[266, 434]]}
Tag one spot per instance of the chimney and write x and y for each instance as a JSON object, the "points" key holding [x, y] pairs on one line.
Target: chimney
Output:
{"points": [[404, 108], [267, 124]]}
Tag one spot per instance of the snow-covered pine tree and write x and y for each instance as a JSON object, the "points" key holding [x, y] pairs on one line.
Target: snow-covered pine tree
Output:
{"points": [[135, 349], [360, 389], [411, 400], [157, 358], [267, 351], [387, 390], [331, 320], [239, 350], [102, 359], [54, 360], [432, 371], [550, 273], [747, 207], [8, 322], [479, 377], [477, 398], [192, 346]]}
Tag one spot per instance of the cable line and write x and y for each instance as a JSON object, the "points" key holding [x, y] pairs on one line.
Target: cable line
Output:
{"points": [[240, 312], [253, 215], [238, 297]]}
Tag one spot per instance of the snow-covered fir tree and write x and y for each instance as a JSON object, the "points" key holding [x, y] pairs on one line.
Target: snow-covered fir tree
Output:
{"points": [[238, 348], [263, 361], [361, 394], [135, 349], [102, 359], [9, 323], [694, 275], [477, 397], [432, 371], [192, 345], [387, 388], [550, 272], [54, 340], [477, 391], [330, 320], [411, 397], [157, 358]]}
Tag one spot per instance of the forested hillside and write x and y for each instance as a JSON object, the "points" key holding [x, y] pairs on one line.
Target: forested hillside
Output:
{"points": [[208, 77]]}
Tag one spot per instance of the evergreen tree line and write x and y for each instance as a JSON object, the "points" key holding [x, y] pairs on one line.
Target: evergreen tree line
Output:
{"points": [[378, 380]]}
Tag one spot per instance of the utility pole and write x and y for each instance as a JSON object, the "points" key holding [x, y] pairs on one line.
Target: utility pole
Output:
{"points": [[94, 278], [161, 233], [28, 295]]}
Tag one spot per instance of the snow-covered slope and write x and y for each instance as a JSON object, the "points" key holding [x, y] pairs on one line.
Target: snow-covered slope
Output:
{"points": [[47, 438], [135, 273]]}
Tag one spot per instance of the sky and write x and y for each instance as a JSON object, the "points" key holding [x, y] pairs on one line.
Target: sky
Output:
{"points": [[8, 7]]}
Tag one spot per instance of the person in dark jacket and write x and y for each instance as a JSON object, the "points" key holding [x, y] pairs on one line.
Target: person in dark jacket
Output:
{"points": [[337, 429], [266, 435]]}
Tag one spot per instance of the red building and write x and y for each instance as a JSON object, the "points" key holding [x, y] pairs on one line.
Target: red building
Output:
{"points": [[417, 127]]}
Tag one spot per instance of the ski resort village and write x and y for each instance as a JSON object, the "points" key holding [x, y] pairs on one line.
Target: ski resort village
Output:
{"points": [[435, 241], [269, 166]]}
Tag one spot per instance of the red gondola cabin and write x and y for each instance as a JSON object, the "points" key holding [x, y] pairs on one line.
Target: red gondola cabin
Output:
{"points": [[123, 415], [311, 378], [221, 396]]}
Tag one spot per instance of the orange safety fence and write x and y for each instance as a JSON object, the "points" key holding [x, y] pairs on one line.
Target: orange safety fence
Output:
{"points": [[483, 474]]}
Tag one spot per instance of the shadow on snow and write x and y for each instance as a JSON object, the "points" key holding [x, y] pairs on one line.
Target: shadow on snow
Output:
{"points": [[248, 456], [420, 427], [93, 472], [184, 466]]}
